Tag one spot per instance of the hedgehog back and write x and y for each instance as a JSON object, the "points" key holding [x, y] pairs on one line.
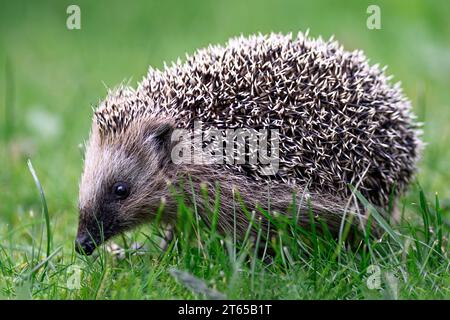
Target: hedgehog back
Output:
{"points": [[340, 119]]}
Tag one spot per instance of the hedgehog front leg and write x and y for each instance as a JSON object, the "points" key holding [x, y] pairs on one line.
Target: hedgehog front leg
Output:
{"points": [[138, 248], [120, 253]]}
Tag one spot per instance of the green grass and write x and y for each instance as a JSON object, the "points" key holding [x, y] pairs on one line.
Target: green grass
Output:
{"points": [[51, 77]]}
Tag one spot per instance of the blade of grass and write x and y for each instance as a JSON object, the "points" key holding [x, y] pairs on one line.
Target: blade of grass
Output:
{"points": [[425, 214], [44, 262], [439, 225], [44, 210], [377, 216]]}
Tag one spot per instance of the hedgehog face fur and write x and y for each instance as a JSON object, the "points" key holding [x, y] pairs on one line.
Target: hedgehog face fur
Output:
{"points": [[122, 182], [340, 121]]}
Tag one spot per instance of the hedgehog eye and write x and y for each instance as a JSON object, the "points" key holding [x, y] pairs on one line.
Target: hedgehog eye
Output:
{"points": [[121, 190]]}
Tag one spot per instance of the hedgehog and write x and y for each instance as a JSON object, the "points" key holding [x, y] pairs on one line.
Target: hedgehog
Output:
{"points": [[340, 123]]}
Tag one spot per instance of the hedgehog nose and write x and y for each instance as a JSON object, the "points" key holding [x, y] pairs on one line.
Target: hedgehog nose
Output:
{"points": [[84, 245]]}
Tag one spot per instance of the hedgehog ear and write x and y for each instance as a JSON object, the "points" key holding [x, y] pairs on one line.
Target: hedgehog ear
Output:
{"points": [[159, 134], [163, 134]]}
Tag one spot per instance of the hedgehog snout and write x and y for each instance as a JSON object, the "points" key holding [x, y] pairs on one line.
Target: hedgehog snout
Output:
{"points": [[84, 244], [87, 239], [95, 227]]}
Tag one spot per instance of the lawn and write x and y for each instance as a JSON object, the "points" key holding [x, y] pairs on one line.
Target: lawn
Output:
{"points": [[52, 77]]}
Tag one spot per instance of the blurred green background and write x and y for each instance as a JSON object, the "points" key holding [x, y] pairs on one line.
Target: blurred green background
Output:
{"points": [[51, 77]]}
